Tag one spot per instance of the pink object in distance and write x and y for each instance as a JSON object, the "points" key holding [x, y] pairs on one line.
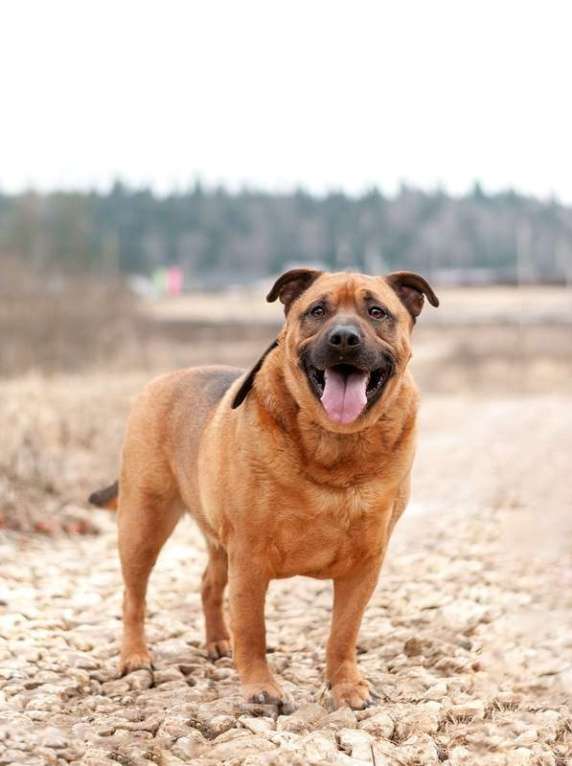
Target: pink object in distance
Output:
{"points": [[174, 280]]}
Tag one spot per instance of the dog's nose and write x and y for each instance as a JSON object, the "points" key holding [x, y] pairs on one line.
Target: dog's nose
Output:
{"points": [[344, 337]]}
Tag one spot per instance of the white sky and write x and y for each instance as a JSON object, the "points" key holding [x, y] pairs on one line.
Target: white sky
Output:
{"points": [[277, 93]]}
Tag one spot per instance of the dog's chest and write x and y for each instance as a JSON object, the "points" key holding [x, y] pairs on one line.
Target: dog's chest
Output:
{"points": [[323, 533]]}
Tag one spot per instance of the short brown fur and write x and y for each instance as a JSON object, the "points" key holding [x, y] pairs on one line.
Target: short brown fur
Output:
{"points": [[276, 487]]}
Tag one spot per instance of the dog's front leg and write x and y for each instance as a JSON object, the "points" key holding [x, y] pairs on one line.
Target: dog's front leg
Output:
{"points": [[248, 584], [351, 594]]}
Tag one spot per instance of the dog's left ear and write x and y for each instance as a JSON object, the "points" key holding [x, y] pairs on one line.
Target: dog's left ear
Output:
{"points": [[287, 288], [412, 289], [291, 285], [248, 382]]}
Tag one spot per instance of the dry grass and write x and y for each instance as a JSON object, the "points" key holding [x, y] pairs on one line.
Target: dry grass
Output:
{"points": [[50, 322], [61, 438]]}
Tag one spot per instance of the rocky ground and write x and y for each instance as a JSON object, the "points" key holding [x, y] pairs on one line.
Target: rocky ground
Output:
{"points": [[467, 641]]}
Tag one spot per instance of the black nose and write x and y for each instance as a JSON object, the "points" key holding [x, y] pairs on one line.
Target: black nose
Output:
{"points": [[344, 337]]}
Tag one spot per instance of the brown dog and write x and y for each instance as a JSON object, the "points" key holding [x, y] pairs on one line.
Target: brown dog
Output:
{"points": [[301, 467]]}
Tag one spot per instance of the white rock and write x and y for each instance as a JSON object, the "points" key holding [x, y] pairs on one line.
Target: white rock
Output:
{"points": [[461, 756], [344, 717], [380, 726], [239, 747], [420, 750], [316, 748], [306, 718], [217, 725], [189, 746], [522, 756], [261, 725], [356, 743], [173, 726], [420, 720], [53, 738]]}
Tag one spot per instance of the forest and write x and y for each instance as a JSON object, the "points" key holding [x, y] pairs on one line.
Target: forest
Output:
{"points": [[221, 237]]}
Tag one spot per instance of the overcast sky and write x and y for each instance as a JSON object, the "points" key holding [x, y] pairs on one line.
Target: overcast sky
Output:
{"points": [[273, 94]]}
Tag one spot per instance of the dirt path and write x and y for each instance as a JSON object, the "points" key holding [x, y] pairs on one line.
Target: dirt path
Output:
{"points": [[467, 640]]}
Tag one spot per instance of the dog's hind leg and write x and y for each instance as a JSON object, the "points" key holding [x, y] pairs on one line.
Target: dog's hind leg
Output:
{"points": [[145, 522], [215, 578]]}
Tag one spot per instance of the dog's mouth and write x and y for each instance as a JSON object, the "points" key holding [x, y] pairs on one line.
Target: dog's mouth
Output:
{"points": [[345, 390]]}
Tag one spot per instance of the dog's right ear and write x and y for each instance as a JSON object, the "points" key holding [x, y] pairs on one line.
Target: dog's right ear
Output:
{"points": [[291, 285]]}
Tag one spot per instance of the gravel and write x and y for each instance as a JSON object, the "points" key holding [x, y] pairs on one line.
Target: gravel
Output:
{"points": [[467, 641]]}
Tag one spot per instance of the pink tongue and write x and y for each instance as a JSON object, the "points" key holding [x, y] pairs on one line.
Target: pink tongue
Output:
{"points": [[344, 397]]}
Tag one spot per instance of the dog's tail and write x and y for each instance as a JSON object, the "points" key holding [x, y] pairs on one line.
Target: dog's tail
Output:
{"points": [[105, 498]]}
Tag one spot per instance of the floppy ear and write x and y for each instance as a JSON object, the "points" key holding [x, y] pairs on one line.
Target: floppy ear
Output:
{"points": [[412, 289], [291, 285], [248, 382]]}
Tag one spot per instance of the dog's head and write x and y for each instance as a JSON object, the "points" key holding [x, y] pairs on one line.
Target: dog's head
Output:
{"points": [[346, 340]]}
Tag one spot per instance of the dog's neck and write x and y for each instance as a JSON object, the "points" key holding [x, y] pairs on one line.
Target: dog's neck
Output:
{"points": [[356, 457]]}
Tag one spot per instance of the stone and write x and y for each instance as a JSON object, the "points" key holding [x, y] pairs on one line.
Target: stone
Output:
{"points": [[461, 756], [9, 756], [239, 747], [419, 750], [189, 746], [381, 725], [413, 647], [259, 725], [521, 756], [545, 759], [218, 724], [48, 756], [174, 726], [221, 706], [528, 737], [343, 717], [464, 615], [118, 687], [53, 738], [437, 691], [420, 720], [356, 743], [316, 747], [167, 675], [306, 718], [139, 679]]}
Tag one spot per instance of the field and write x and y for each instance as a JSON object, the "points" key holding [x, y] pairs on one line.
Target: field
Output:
{"points": [[467, 640]]}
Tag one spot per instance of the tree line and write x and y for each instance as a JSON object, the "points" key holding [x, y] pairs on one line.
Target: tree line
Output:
{"points": [[222, 237]]}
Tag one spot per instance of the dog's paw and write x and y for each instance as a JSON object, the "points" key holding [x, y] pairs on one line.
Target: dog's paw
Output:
{"points": [[218, 649], [356, 694], [267, 695], [132, 661]]}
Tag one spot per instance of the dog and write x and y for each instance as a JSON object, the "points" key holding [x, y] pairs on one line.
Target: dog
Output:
{"points": [[300, 466]]}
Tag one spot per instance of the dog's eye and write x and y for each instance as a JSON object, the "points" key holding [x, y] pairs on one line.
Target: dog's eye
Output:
{"points": [[318, 311], [376, 312]]}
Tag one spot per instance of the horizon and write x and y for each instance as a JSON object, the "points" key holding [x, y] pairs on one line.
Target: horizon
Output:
{"points": [[237, 190]]}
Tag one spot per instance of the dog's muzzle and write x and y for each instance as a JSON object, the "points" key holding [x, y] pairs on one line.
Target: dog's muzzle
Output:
{"points": [[345, 374]]}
